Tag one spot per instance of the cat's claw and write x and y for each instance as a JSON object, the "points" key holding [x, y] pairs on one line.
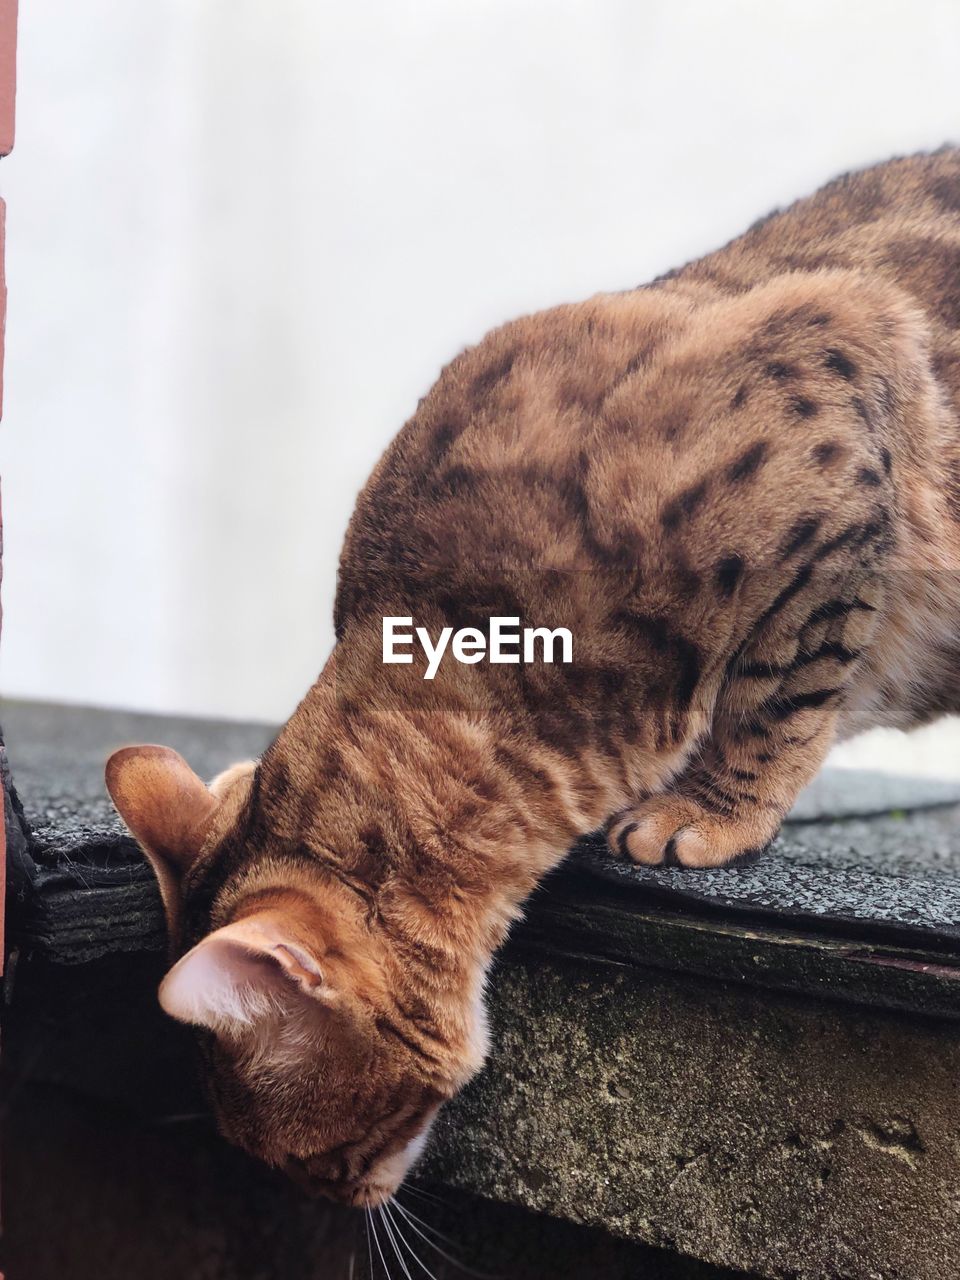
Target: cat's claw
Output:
{"points": [[672, 830]]}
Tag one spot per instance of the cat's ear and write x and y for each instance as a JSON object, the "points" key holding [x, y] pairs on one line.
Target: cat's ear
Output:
{"points": [[224, 783], [241, 973], [168, 810]]}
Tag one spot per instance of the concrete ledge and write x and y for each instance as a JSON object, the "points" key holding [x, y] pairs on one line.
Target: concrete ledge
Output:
{"points": [[775, 1134]]}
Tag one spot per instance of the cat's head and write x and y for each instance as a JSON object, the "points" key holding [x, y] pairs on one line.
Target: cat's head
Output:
{"points": [[325, 1055]]}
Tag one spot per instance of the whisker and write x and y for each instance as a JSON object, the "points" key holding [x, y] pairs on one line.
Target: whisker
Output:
{"points": [[480, 1275], [376, 1241], [426, 1195], [366, 1219], [409, 1248], [384, 1218], [427, 1226]]}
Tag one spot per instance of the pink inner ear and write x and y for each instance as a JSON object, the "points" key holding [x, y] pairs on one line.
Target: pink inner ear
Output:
{"points": [[222, 984], [238, 975], [299, 964]]}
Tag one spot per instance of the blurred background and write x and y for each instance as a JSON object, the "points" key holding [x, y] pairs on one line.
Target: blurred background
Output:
{"points": [[243, 238]]}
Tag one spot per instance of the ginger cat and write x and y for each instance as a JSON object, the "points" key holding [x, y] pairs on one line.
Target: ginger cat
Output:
{"points": [[739, 488]]}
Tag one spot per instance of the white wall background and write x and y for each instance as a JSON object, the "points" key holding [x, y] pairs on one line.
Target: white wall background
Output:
{"points": [[243, 237]]}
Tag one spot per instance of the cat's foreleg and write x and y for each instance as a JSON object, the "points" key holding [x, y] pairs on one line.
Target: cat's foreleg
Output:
{"points": [[774, 722], [721, 811]]}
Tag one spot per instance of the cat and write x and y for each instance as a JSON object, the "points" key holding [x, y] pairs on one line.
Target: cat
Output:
{"points": [[738, 487]]}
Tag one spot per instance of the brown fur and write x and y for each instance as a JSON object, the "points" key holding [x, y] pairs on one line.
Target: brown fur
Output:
{"points": [[739, 487]]}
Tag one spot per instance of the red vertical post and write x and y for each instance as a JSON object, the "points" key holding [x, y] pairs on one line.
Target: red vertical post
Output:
{"points": [[8, 83]]}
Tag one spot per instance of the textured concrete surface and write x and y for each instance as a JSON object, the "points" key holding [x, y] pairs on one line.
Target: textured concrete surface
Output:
{"points": [[779, 1135], [93, 1195], [793, 1139]]}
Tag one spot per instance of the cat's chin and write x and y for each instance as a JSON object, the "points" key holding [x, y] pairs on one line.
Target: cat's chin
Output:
{"points": [[369, 1195], [382, 1184], [366, 1196], [373, 1197]]}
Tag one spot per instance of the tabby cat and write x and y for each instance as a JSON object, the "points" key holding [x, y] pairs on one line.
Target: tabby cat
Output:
{"points": [[739, 488]]}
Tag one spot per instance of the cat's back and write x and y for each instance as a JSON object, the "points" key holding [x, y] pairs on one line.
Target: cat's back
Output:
{"points": [[896, 221], [567, 438], [491, 473]]}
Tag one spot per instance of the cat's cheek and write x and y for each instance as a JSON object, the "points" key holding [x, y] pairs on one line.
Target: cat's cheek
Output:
{"points": [[477, 1042], [390, 1173]]}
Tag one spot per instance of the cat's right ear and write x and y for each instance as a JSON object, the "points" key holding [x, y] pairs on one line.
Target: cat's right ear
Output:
{"points": [[168, 810]]}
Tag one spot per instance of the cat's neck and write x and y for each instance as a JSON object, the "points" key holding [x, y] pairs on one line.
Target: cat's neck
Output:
{"points": [[432, 804]]}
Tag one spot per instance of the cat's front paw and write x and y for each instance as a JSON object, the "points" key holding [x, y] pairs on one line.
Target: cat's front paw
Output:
{"points": [[672, 830]]}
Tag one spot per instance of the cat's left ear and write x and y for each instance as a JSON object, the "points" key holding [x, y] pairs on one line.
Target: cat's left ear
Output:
{"points": [[237, 974], [168, 809]]}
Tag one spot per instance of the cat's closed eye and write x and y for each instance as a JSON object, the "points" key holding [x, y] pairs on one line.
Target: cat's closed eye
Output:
{"points": [[369, 1170]]}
